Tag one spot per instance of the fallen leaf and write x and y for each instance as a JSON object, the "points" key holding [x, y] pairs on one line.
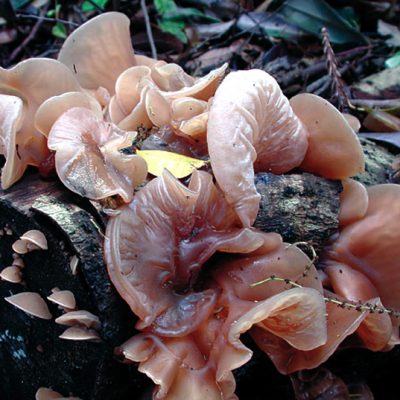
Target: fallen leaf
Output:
{"points": [[391, 138], [180, 166], [390, 30], [312, 15]]}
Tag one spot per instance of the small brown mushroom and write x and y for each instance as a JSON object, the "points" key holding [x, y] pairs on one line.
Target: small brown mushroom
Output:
{"points": [[18, 262], [63, 298], [80, 317], [73, 263], [11, 274], [31, 303], [35, 237], [78, 333], [20, 246], [47, 394]]}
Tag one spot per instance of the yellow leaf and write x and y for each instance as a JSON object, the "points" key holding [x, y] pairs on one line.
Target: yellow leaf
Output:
{"points": [[179, 165]]}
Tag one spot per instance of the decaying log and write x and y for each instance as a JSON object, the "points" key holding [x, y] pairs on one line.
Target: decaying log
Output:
{"points": [[31, 353], [302, 208]]}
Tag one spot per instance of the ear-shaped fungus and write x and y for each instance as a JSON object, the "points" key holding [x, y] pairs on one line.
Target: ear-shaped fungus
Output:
{"points": [[251, 122], [88, 157], [199, 366], [50, 110], [193, 315], [11, 108], [334, 150], [376, 329], [370, 246], [190, 225], [33, 81], [99, 51]]}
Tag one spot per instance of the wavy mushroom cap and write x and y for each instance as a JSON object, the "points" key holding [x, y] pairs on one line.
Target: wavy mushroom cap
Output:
{"points": [[88, 158], [34, 81], [190, 225], [376, 329], [99, 51], [334, 150], [11, 113], [353, 202], [370, 245], [251, 126], [200, 365], [50, 110]]}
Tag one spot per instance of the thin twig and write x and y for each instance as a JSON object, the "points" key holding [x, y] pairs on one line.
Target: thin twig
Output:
{"points": [[346, 304], [148, 29], [31, 35], [333, 69], [63, 21]]}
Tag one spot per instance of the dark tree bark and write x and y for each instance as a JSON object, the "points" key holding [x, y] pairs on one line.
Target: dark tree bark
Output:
{"points": [[31, 353]]}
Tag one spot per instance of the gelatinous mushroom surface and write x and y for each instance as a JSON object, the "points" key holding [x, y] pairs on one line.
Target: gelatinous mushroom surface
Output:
{"points": [[251, 126], [88, 157]]}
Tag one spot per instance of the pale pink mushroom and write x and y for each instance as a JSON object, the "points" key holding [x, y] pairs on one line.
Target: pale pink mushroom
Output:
{"points": [[376, 329], [11, 114], [334, 150], [31, 303], [11, 274], [199, 222], [251, 126], [193, 317], [33, 80], [370, 245], [353, 201], [199, 366], [88, 157], [353, 121], [99, 51], [287, 359], [63, 298], [50, 110]]}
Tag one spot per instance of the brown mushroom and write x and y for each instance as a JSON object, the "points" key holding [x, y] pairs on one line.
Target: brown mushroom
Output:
{"points": [[80, 317], [31, 303], [88, 157], [80, 334], [64, 298], [334, 150], [47, 394], [11, 274], [35, 237]]}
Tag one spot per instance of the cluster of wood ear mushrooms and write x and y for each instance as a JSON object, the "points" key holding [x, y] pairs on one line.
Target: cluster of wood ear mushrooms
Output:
{"points": [[93, 106]]}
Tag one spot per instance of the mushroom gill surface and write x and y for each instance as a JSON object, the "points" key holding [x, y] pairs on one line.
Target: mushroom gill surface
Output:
{"points": [[187, 226], [251, 126], [88, 158]]}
